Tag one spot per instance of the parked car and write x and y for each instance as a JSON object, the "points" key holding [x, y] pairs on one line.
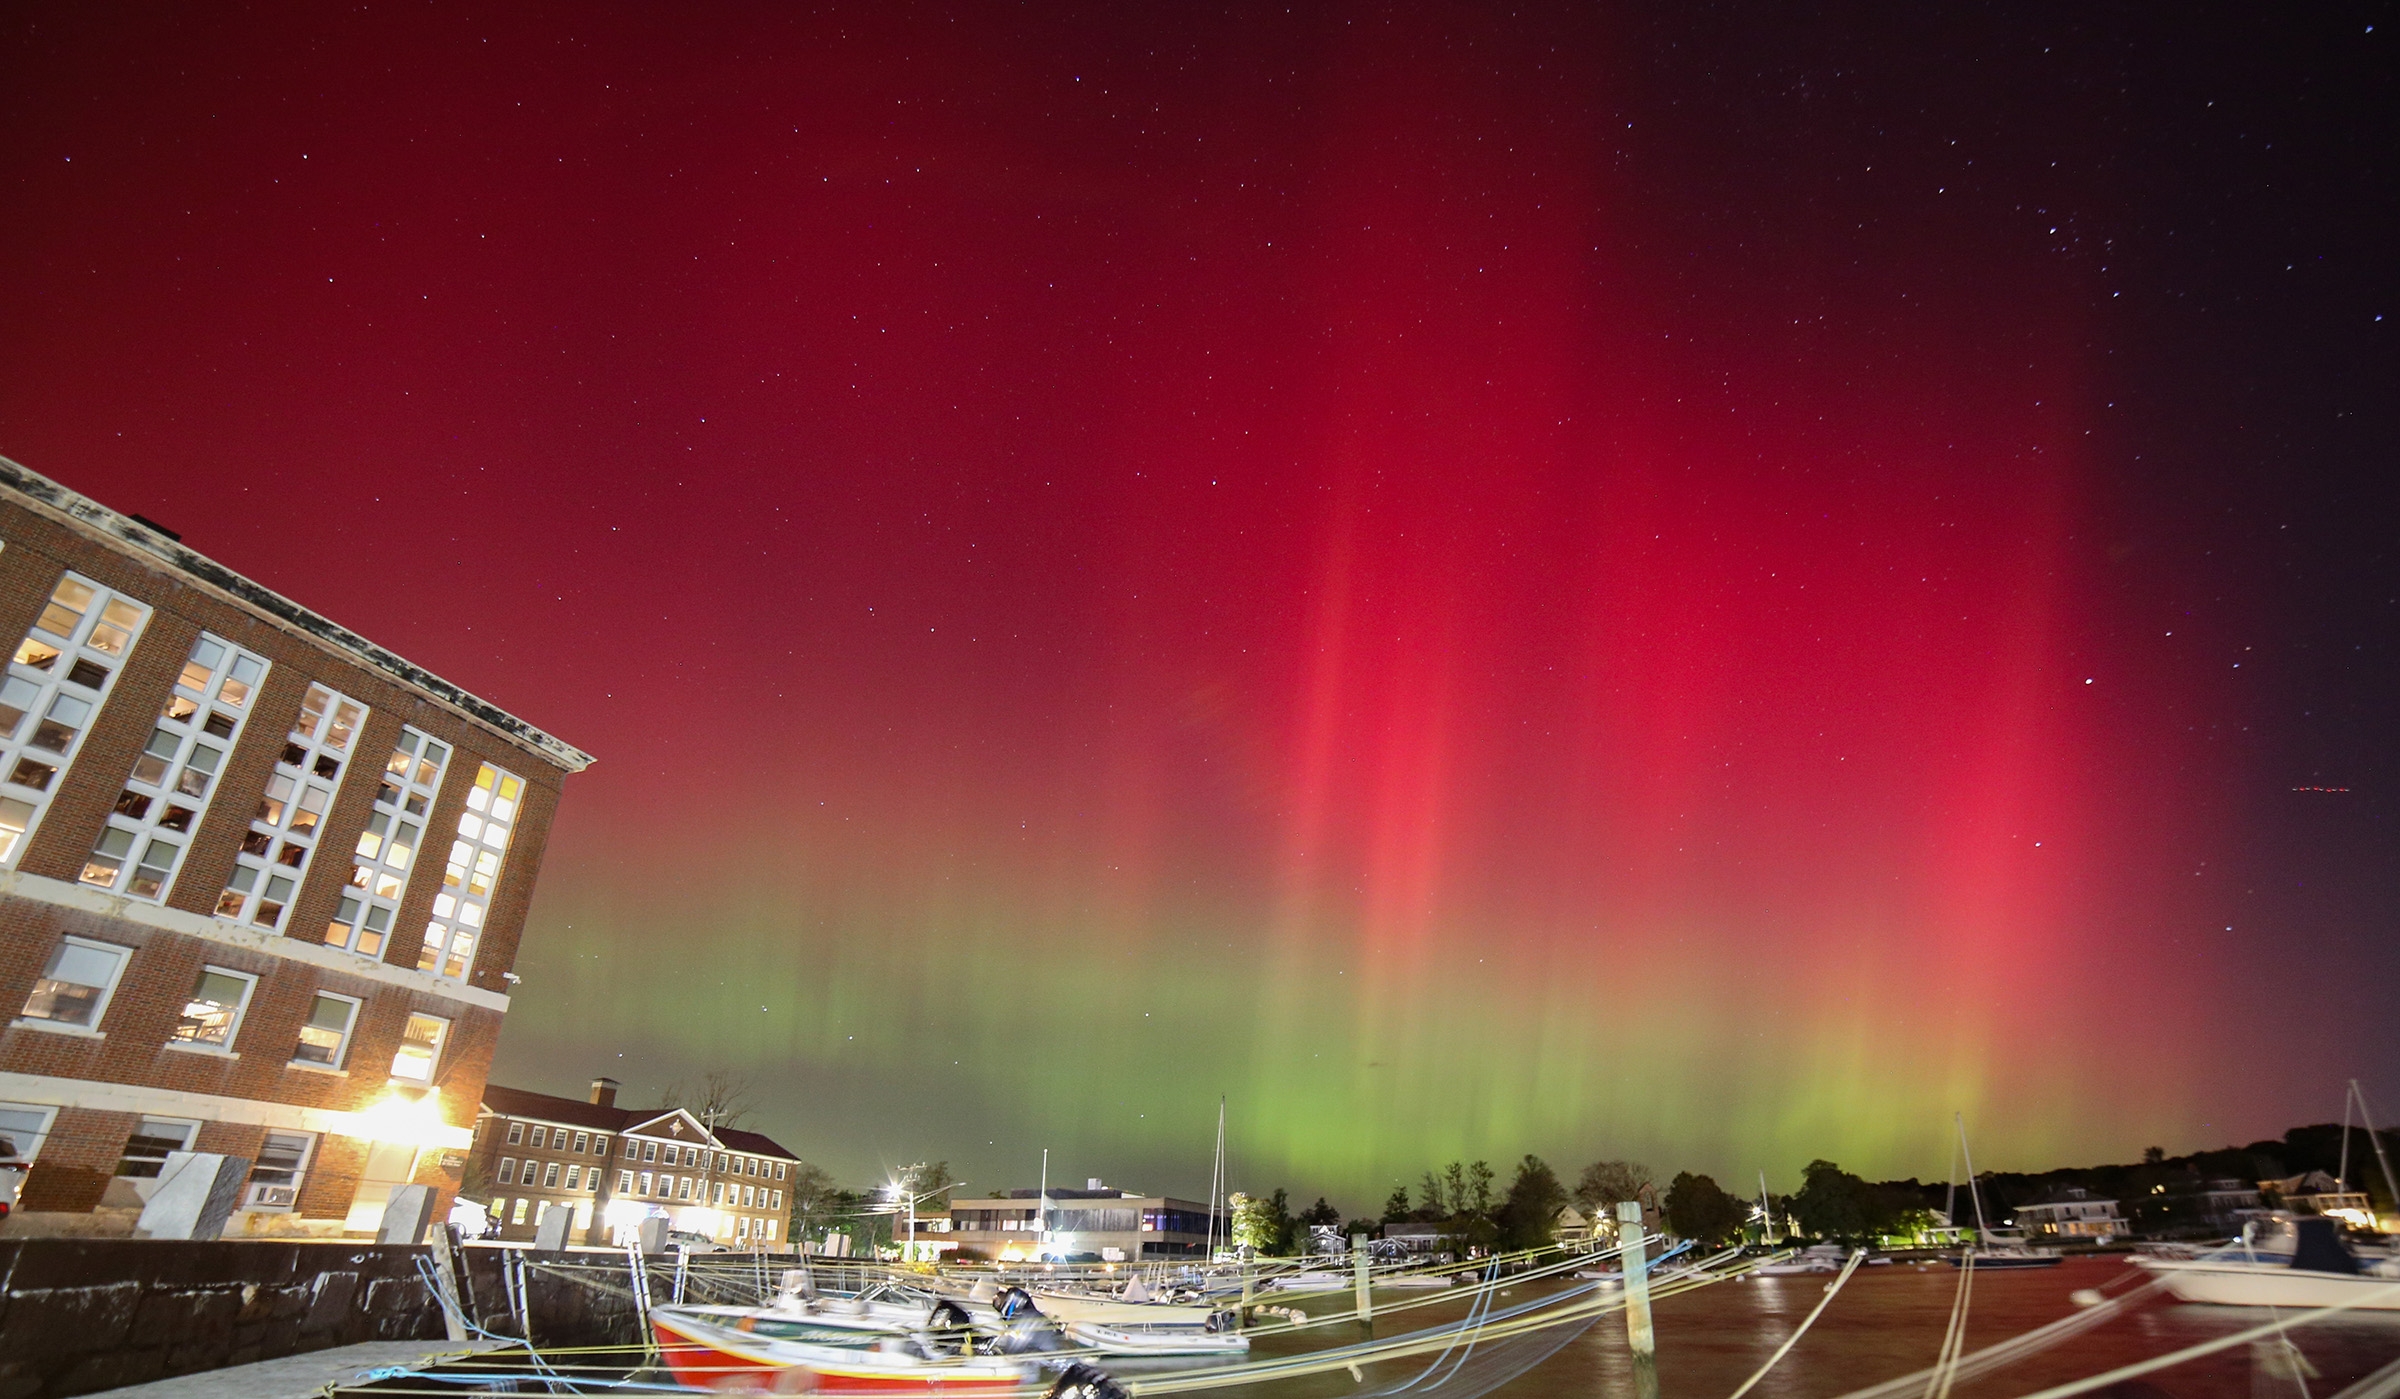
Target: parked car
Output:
{"points": [[691, 1242]]}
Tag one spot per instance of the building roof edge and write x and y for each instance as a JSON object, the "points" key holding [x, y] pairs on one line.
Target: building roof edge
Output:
{"points": [[92, 517]]}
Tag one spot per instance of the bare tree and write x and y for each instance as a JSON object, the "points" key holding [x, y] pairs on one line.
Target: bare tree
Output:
{"points": [[1608, 1183], [722, 1099]]}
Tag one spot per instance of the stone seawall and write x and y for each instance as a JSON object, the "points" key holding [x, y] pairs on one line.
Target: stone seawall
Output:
{"points": [[78, 1315]]}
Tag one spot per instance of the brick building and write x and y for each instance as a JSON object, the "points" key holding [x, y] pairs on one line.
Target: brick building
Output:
{"points": [[216, 933], [617, 1166]]}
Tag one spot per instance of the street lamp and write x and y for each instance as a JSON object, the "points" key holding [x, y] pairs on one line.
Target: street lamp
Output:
{"points": [[902, 1199]]}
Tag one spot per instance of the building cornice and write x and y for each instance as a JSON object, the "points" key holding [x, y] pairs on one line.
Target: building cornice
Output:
{"points": [[88, 517], [96, 1095], [60, 894]]}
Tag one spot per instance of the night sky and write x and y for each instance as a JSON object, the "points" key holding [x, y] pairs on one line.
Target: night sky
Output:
{"points": [[1694, 582]]}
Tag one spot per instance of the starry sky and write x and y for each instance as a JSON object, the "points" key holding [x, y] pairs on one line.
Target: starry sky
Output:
{"points": [[1702, 583]]}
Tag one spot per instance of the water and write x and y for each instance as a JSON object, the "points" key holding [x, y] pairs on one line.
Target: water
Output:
{"points": [[1887, 1322]]}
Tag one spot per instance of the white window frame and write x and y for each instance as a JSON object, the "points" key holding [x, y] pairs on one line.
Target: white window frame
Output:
{"points": [[179, 771], [291, 813], [29, 1148], [391, 844], [233, 1026], [478, 857], [191, 1134], [108, 993], [574, 1174], [538, 1137], [516, 1133], [550, 1175], [508, 1170], [109, 618], [433, 1061], [341, 1050], [256, 1194]]}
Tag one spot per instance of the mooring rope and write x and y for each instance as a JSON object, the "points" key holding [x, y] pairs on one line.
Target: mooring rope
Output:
{"points": [[1954, 1337], [1857, 1256]]}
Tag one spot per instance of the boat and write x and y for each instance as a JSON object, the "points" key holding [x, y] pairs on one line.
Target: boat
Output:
{"points": [[1156, 1340], [1418, 1280], [2311, 1268], [1816, 1258], [777, 1350], [1994, 1248], [1320, 1280]]}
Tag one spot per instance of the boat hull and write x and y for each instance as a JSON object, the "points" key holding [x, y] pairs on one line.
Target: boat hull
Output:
{"points": [[1985, 1262], [703, 1355], [2271, 1285]]}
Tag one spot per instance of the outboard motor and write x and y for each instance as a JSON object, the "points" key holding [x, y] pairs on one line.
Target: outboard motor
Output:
{"points": [[1023, 1328], [1081, 1381], [947, 1329], [2317, 1246]]}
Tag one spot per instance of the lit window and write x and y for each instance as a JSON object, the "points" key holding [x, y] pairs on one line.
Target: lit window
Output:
{"points": [[76, 983], [213, 1012], [283, 831], [387, 848], [282, 1161], [522, 1206], [770, 1227], [57, 680], [326, 1036], [175, 775], [508, 1170], [420, 1048], [472, 874], [153, 1138]]}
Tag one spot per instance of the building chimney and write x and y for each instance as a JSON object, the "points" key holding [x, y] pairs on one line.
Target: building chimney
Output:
{"points": [[604, 1092]]}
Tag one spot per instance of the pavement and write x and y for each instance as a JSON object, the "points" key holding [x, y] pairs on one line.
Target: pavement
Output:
{"points": [[300, 1376]]}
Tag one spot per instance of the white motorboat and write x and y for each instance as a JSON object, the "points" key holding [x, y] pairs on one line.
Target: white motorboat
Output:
{"points": [[1313, 1281], [1418, 1280], [2308, 1266], [1816, 1258], [1156, 1340]]}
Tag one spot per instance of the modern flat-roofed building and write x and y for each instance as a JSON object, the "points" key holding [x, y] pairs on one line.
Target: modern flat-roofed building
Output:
{"points": [[615, 1167], [1095, 1224], [261, 884]]}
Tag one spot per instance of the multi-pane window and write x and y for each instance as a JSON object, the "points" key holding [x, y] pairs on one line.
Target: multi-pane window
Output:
{"points": [[508, 1170], [550, 1175], [282, 1160], [326, 1036], [55, 683], [420, 1048], [395, 829], [473, 872], [283, 831], [153, 1140], [213, 1012], [76, 983], [176, 774], [516, 1133]]}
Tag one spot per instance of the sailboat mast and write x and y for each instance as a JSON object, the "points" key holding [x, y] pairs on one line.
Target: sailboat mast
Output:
{"points": [[1766, 1212], [1042, 1230], [1973, 1194], [2382, 1157]]}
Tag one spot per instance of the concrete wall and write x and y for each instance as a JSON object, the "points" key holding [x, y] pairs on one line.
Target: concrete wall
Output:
{"points": [[78, 1315]]}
